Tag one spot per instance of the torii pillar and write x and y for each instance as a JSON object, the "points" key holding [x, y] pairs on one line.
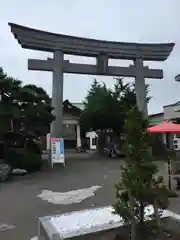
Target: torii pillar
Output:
{"points": [[140, 87], [57, 94]]}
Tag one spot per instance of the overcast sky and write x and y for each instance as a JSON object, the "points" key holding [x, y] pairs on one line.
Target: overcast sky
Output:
{"points": [[119, 20]]}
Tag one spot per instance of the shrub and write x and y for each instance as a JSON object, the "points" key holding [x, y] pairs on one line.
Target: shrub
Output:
{"points": [[14, 157], [32, 161], [24, 159], [22, 151]]}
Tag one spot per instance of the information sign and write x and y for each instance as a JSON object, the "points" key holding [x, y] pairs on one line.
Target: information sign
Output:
{"points": [[57, 151]]}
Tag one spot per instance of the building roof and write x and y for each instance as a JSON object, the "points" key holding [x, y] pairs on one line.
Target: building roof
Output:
{"points": [[173, 104], [177, 78], [35, 39], [79, 105], [156, 121], [156, 114]]}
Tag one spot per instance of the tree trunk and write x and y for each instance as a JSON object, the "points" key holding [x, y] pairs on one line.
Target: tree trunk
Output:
{"points": [[141, 213], [133, 220], [101, 142], [158, 219]]}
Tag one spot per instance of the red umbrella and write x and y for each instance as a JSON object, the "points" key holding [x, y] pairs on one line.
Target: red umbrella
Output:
{"points": [[166, 127]]}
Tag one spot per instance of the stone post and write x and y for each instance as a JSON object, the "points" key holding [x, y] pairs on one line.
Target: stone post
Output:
{"points": [[57, 94], [140, 86]]}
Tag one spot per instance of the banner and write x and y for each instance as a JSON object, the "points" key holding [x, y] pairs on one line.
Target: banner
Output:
{"points": [[57, 150]]}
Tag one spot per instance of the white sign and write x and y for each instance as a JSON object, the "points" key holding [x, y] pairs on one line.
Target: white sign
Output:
{"points": [[57, 150]]}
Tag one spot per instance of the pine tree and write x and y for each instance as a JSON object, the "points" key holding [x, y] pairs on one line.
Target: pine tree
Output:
{"points": [[139, 185], [9, 108], [25, 108]]}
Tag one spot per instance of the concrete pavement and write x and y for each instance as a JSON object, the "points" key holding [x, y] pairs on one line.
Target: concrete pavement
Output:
{"points": [[20, 207]]}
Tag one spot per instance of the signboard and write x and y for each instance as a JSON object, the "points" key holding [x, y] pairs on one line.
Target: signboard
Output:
{"points": [[57, 151]]}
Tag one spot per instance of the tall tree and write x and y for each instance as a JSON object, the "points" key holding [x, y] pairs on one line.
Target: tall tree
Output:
{"points": [[105, 108]]}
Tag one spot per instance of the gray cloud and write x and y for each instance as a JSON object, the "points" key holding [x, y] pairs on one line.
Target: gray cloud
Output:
{"points": [[119, 20]]}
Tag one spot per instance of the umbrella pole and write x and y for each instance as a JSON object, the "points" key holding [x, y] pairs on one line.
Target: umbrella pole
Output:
{"points": [[168, 142], [169, 173]]}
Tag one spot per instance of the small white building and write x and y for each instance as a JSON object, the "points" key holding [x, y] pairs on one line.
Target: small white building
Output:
{"points": [[92, 136], [172, 112]]}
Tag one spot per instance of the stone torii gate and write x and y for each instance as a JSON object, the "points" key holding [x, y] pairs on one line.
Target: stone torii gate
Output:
{"points": [[60, 44]]}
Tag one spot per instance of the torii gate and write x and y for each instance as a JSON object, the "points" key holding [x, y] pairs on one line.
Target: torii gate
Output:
{"points": [[60, 44]]}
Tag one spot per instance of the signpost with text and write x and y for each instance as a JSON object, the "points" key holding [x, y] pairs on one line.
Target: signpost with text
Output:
{"points": [[57, 151]]}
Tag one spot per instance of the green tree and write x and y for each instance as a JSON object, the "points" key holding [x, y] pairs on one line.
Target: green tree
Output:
{"points": [[106, 108], [10, 113], [102, 113], [139, 185], [25, 112], [36, 110], [103, 108], [26, 108], [126, 94]]}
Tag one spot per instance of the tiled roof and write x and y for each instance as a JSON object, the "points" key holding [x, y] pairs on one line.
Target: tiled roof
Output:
{"points": [[78, 105], [156, 114], [177, 103]]}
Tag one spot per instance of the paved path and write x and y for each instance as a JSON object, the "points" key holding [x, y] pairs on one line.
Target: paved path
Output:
{"points": [[19, 205]]}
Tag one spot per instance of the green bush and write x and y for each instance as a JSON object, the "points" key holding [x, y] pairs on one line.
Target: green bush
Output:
{"points": [[14, 157], [22, 151], [32, 161], [24, 159]]}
